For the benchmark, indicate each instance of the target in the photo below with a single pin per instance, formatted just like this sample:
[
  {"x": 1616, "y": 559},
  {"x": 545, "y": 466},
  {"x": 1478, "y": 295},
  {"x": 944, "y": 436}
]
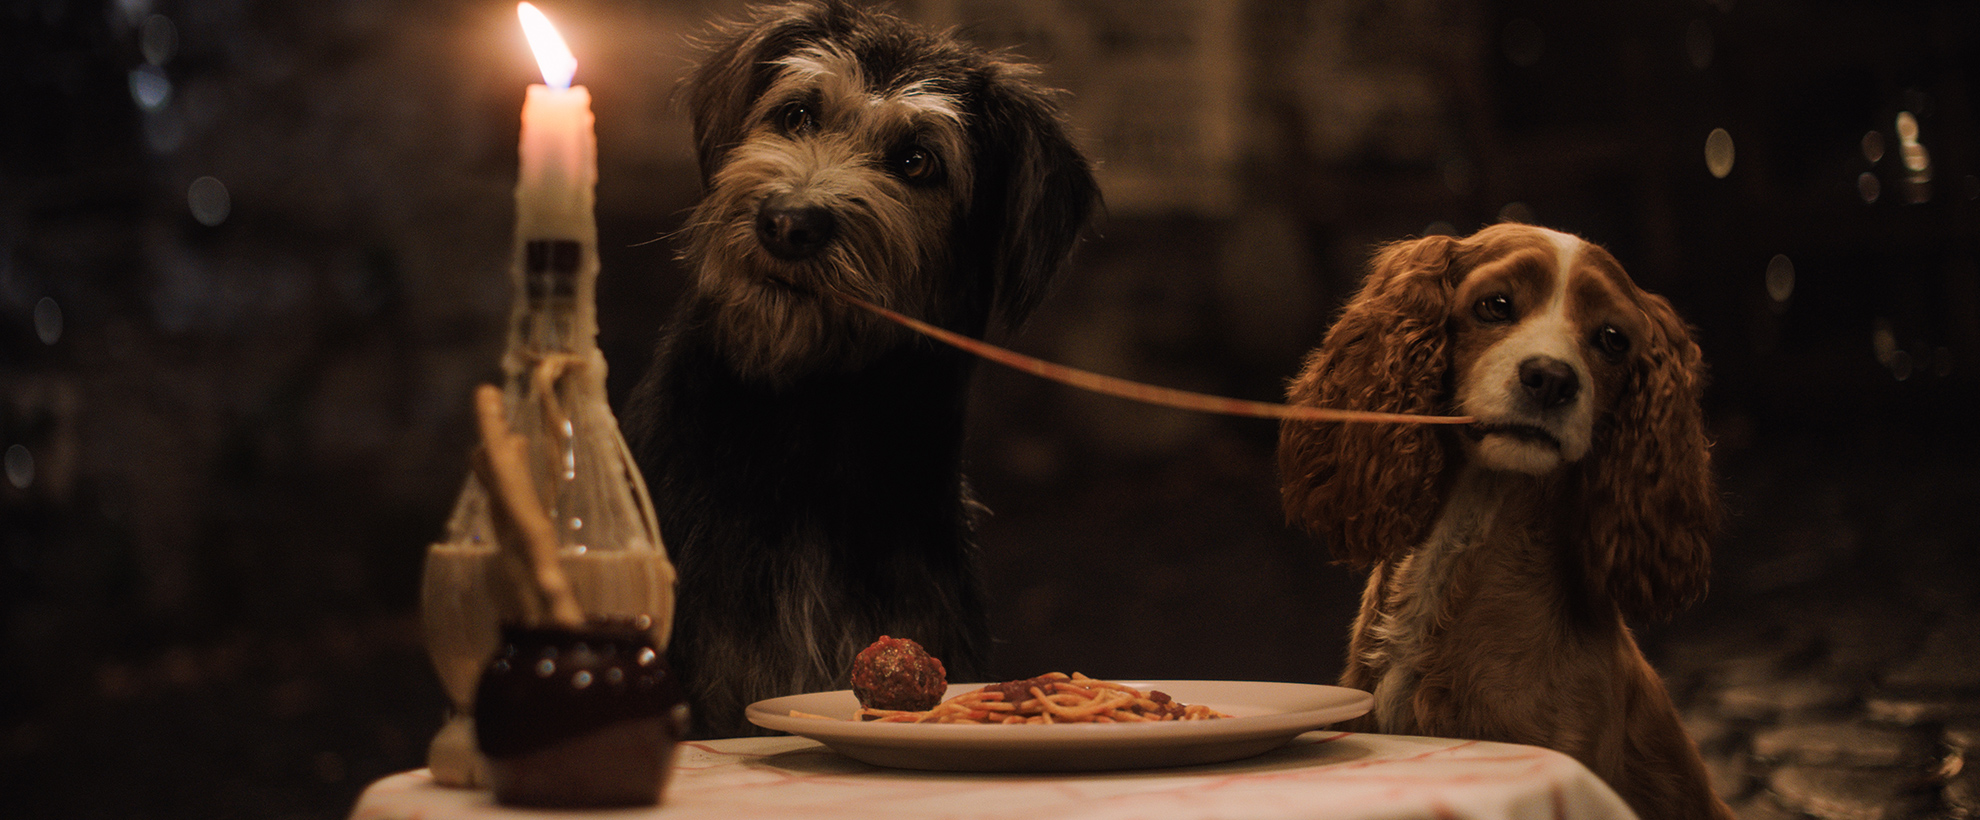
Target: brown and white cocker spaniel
[{"x": 1506, "y": 555}]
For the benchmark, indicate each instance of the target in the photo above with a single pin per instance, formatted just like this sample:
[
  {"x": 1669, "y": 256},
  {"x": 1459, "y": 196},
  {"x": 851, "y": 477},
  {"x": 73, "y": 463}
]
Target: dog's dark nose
[
  {"x": 790, "y": 231},
  {"x": 1550, "y": 381}
]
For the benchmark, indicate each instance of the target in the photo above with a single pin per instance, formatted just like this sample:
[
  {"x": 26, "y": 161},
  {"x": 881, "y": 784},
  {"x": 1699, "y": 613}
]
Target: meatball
[{"x": 896, "y": 673}]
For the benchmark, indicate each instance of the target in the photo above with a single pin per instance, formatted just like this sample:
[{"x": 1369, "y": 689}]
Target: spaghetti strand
[{"x": 1145, "y": 393}]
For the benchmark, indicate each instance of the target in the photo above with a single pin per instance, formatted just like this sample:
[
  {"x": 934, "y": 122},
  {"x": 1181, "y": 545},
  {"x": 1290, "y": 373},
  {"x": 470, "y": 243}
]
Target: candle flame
[{"x": 552, "y": 56}]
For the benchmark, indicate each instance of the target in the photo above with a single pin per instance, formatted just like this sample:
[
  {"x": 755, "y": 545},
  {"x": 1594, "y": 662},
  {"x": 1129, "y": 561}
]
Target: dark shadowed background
[{"x": 252, "y": 258}]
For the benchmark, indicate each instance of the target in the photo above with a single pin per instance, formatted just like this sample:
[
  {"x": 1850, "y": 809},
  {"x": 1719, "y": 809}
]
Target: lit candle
[
  {"x": 555, "y": 189},
  {"x": 556, "y": 249}
]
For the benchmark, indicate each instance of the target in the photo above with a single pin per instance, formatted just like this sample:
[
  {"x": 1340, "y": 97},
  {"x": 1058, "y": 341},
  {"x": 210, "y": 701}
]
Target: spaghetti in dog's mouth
[
  {"x": 1137, "y": 391},
  {"x": 1529, "y": 433},
  {"x": 782, "y": 285}
]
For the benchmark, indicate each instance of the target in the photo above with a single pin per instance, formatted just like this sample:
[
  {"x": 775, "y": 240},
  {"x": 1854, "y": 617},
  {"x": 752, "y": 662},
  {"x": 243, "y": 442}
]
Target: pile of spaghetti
[{"x": 1050, "y": 698}]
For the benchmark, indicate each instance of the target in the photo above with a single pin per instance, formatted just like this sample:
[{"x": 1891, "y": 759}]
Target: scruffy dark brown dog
[{"x": 805, "y": 457}]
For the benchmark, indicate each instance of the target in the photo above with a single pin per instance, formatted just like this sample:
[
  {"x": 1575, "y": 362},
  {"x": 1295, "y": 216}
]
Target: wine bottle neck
[{"x": 556, "y": 313}]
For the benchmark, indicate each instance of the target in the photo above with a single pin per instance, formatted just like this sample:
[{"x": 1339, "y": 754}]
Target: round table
[{"x": 1320, "y": 774}]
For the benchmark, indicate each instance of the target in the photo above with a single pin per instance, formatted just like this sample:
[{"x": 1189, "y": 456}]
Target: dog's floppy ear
[
  {"x": 1370, "y": 490},
  {"x": 738, "y": 62},
  {"x": 1035, "y": 190},
  {"x": 1651, "y": 504}
]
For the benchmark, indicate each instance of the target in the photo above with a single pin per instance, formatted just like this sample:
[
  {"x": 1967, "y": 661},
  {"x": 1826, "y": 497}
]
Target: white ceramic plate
[{"x": 1264, "y": 716}]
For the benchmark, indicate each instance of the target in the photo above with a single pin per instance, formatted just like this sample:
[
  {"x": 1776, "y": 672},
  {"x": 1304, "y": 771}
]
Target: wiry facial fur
[
  {"x": 889, "y": 252},
  {"x": 804, "y": 458},
  {"x": 1505, "y": 556}
]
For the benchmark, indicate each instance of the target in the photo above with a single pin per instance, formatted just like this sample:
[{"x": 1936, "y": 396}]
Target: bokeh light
[
  {"x": 159, "y": 39},
  {"x": 1917, "y": 159},
  {"x": 1917, "y": 183},
  {"x": 1780, "y": 278},
  {"x": 47, "y": 321},
  {"x": 209, "y": 201},
  {"x": 1901, "y": 365},
  {"x": 1873, "y": 146},
  {"x": 20, "y": 467},
  {"x": 1883, "y": 343},
  {"x": 1440, "y": 228},
  {"x": 1698, "y": 44},
  {"x": 1907, "y": 127},
  {"x": 1517, "y": 212},
  {"x": 1719, "y": 152},
  {"x": 1868, "y": 187},
  {"x": 134, "y": 10},
  {"x": 149, "y": 88}
]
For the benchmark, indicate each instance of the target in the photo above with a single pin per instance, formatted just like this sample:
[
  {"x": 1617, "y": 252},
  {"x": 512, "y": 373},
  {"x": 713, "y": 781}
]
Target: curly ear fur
[
  {"x": 1043, "y": 191},
  {"x": 737, "y": 65},
  {"x": 1370, "y": 490},
  {"x": 1650, "y": 500}
]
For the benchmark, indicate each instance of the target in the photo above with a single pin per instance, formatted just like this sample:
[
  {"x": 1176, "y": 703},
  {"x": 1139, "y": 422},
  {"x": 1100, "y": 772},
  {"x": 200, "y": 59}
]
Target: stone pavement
[
  {"x": 1835, "y": 673},
  {"x": 1830, "y": 722}
]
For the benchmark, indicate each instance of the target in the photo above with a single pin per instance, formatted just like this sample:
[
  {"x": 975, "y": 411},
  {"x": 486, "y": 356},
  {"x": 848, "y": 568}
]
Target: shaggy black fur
[{"x": 812, "y": 509}]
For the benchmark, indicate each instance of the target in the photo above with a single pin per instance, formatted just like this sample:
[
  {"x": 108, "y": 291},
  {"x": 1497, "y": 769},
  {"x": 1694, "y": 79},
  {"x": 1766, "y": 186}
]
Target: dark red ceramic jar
[{"x": 579, "y": 718}]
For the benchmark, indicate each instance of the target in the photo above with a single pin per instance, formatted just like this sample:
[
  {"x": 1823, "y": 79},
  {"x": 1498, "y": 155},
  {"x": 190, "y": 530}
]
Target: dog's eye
[
  {"x": 914, "y": 164},
  {"x": 796, "y": 118},
  {"x": 1612, "y": 342},
  {"x": 1493, "y": 309}
]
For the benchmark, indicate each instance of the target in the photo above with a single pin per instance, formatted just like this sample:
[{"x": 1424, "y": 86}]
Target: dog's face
[
  {"x": 1542, "y": 330},
  {"x": 846, "y": 151},
  {"x": 1571, "y": 370}
]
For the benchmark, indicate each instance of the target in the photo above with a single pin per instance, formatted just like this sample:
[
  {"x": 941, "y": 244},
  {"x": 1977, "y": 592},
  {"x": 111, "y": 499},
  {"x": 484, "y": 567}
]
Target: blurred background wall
[{"x": 252, "y": 259}]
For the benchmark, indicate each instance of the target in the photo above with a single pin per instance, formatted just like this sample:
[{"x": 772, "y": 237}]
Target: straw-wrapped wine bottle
[{"x": 553, "y": 395}]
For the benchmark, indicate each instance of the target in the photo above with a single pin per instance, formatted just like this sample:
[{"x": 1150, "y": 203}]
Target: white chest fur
[{"x": 1418, "y": 601}]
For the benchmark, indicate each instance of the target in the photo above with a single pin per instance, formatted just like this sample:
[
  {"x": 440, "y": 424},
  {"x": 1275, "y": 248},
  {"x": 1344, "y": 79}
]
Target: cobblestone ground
[{"x": 1836, "y": 673}]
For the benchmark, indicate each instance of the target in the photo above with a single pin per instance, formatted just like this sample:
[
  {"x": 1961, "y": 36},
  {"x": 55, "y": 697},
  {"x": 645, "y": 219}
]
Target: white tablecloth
[{"x": 1319, "y": 775}]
